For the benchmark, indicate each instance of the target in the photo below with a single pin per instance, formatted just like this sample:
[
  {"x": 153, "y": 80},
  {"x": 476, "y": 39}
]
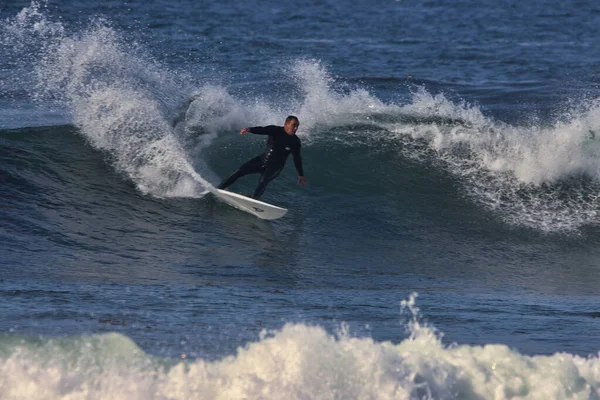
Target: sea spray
[
  {"x": 321, "y": 105},
  {"x": 118, "y": 96}
]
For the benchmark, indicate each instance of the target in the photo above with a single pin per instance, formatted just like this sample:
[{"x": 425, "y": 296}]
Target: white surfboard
[{"x": 255, "y": 207}]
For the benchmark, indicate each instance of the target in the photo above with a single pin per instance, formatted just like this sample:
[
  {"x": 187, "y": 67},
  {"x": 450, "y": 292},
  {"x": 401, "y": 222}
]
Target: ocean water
[{"x": 446, "y": 246}]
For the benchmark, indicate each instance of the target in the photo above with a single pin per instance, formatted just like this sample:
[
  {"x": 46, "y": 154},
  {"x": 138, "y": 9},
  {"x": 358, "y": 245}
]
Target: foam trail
[{"x": 296, "y": 362}]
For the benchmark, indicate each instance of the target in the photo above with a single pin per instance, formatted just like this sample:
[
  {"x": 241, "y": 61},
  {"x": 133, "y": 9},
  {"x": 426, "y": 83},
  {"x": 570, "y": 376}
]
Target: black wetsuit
[{"x": 272, "y": 160}]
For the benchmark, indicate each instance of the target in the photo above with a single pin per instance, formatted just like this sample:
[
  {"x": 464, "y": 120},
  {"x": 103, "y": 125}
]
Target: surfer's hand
[
  {"x": 244, "y": 130},
  {"x": 302, "y": 181}
]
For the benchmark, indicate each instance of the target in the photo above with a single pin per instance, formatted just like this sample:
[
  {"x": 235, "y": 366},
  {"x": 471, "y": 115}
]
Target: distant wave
[{"x": 296, "y": 362}]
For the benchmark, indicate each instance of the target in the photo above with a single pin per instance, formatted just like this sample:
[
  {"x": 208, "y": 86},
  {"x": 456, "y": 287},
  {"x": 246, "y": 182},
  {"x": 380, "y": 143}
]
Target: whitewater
[{"x": 299, "y": 361}]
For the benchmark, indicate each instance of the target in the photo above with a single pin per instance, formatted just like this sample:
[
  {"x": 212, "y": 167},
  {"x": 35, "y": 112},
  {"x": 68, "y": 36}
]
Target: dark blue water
[{"x": 451, "y": 149}]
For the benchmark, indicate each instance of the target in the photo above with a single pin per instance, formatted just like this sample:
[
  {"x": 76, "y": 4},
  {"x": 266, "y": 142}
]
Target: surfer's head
[{"x": 291, "y": 125}]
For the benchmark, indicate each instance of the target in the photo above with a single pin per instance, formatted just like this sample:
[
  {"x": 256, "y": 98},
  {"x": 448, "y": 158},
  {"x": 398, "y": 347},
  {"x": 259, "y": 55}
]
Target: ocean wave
[{"x": 159, "y": 125}]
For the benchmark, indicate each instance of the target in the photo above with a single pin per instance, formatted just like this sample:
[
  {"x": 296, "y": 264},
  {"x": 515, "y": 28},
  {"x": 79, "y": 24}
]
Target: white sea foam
[{"x": 297, "y": 362}]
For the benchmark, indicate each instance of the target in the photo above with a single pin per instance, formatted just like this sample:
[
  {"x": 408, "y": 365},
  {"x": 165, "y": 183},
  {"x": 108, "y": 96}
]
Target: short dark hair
[{"x": 292, "y": 118}]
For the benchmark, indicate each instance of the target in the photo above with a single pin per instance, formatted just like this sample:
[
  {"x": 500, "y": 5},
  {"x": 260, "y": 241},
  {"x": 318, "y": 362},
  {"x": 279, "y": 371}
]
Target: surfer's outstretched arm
[{"x": 261, "y": 130}]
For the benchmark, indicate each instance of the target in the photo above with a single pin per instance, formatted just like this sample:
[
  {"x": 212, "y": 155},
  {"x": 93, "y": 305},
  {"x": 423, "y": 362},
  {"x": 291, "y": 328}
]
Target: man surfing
[{"x": 282, "y": 141}]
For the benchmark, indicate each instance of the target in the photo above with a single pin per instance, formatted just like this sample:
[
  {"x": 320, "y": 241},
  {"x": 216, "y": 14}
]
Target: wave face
[
  {"x": 298, "y": 362},
  {"x": 158, "y": 125}
]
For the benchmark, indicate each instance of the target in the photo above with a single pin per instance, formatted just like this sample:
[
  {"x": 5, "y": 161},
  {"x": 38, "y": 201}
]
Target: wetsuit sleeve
[
  {"x": 264, "y": 130},
  {"x": 298, "y": 159}
]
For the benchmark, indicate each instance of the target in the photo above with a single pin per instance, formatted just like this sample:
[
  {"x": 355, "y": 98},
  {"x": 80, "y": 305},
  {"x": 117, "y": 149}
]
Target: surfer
[{"x": 282, "y": 141}]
